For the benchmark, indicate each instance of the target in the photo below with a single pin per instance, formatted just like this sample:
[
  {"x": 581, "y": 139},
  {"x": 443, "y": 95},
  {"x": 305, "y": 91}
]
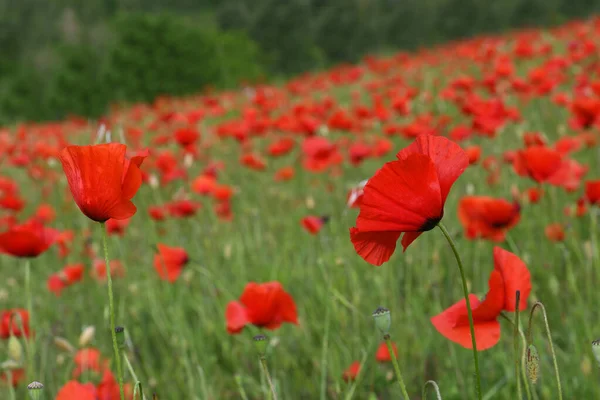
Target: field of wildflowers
[{"x": 420, "y": 225}]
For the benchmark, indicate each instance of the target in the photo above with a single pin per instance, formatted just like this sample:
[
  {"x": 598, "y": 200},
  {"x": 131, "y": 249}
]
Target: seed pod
[
  {"x": 35, "y": 390},
  {"x": 260, "y": 341},
  {"x": 383, "y": 320},
  {"x": 596, "y": 349}
]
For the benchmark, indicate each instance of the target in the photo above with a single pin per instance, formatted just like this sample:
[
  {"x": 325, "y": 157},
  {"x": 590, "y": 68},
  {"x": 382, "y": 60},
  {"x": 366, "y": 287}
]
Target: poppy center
[{"x": 429, "y": 224}]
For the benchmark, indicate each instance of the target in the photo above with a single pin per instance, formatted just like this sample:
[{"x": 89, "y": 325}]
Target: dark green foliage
[
  {"x": 76, "y": 86},
  {"x": 158, "y": 54}
]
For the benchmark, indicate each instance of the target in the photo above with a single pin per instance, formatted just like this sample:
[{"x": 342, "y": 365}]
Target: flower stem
[
  {"x": 30, "y": 340},
  {"x": 435, "y": 387},
  {"x": 539, "y": 304},
  {"x": 516, "y": 344},
  {"x": 111, "y": 310},
  {"x": 133, "y": 374},
  {"x": 388, "y": 342},
  {"x": 468, "y": 303},
  {"x": 272, "y": 393}
]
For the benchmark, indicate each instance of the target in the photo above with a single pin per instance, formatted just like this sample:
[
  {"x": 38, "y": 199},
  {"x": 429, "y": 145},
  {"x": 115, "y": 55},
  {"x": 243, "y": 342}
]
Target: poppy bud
[
  {"x": 64, "y": 344},
  {"x": 532, "y": 363},
  {"x": 383, "y": 320},
  {"x": 260, "y": 341},
  {"x": 87, "y": 336},
  {"x": 35, "y": 390},
  {"x": 15, "y": 350},
  {"x": 120, "y": 332},
  {"x": 596, "y": 349}
]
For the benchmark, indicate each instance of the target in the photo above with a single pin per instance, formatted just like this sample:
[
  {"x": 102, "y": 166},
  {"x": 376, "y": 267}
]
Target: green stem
[
  {"x": 468, "y": 303},
  {"x": 238, "y": 380},
  {"x": 539, "y": 304},
  {"x": 435, "y": 387},
  {"x": 111, "y": 310},
  {"x": 523, "y": 355},
  {"x": 516, "y": 345},
  {"x": 132, "y": 372},
  {"x": 388, "y": 342},
  {"x": 29, "y": 305},
  {"x": 272, "y": 393},
  {"x": 11, "y": 389}
]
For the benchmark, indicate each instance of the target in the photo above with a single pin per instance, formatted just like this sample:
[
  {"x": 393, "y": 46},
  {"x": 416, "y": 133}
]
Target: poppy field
[{"x": 341, "y": 235}]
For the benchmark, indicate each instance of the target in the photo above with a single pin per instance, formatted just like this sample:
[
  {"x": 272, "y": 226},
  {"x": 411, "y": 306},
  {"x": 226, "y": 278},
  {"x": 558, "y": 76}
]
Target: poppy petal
[
  {"x": 516, "y": 277},
  {"x": 123, "y": 210},
  {"x": 487, "y": 334},
  {"x": 94, "y": 174},
  {"x": 491, "y": 306},
  {"x": 374, "y": 247},
  {"x": 402, "y": 196},
  {"x": 236, "y": 317},
  {"x": 448, "y": 157},
  {"x": 408, "y": 238}
]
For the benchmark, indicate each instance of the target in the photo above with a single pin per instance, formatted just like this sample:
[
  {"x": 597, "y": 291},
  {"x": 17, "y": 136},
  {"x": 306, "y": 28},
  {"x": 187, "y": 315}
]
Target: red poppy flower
[
  {"x": 487, "y": 217},
  {"x": 186, "y": 136},
  {"x": 102, "y": 180},
  {"x": 284, "y": 174},
  {"x": 169, "y": 262},
  {"x": 157, "y": 213},
  {"x": 74, "y": 390},
  {"x": 117, "y": 226},
  {"x": 69, "y": 275},
  {"x": 88, "y": 359},
  {"x": 534, "y": 195},
  {"x": 29, "y": 239},
  {"x": 474, "y": 153},
  {"x": 99, "y": 269},
  {"x": 262, "y": 304},
  {"x": 592, "y": 192},
  {"x": 204, "y": 184},
  {"x": 568, "y": 175},
  {"x": 45, "y": 213},
  {"x": 15, "y": 322},
  {"x": 352, "y": 372},
  {"x": 313, "y": 224},
  {"x": 406, "y": 196},
  {"x": 510, "y": 275},
  {"x": 183, "y": 208},
  {"x": 383, "y": 353},
  {"x": 16, "y": 376},
  {"x": 555, "y": 232},
  {"x": 537, "y": 162}
]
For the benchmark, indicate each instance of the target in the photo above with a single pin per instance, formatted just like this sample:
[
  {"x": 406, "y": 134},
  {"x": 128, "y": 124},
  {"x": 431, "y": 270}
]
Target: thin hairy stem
[
  {"x": 30, "y": 341},
  {"x": 388, "y": 342},
  {"x": 469, "y": 311},
  {"x": 516, "y": 344},
  {"x": 272, "y": 392},
  {"x": 539, "y": 305},
  {"x": 111, "y": 310},
  {"x": 436, "y": 388},
  {"x": 523, "y": 355}
]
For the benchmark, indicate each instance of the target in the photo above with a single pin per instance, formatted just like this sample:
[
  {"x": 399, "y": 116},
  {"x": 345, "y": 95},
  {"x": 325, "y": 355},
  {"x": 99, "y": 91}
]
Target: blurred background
[{"x": 74, "y": 57}]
